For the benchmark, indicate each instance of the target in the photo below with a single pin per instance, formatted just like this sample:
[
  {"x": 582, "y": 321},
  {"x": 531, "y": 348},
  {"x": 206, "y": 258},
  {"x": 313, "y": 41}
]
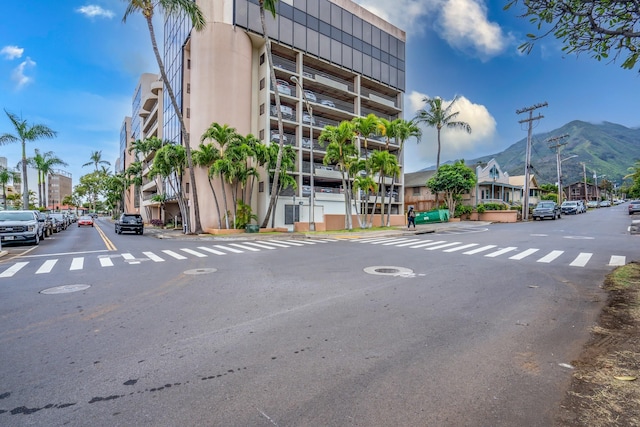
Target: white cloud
[
  {"x": 12, "y": 52},
  {"x": 455, "y": 144},
  {"x": 463, "y": 24},
  {"x": 19, "y": 75},
  {"x": 93, "y": 11}
]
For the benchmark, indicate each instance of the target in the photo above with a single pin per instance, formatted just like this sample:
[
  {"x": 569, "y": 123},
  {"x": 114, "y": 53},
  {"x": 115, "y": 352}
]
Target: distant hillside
[{"x": 607, "y": 148}]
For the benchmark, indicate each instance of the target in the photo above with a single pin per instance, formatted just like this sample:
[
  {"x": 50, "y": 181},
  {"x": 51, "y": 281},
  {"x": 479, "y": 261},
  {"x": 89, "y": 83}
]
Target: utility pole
[
  {"x": 527, "y": 165},
  {"x": 584, "y": 178},
  {"x": 557, "y": 147}
]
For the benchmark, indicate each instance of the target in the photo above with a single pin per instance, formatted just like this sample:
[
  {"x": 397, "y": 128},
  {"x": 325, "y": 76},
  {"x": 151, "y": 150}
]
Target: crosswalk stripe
[
  {"x": 226, "y": 248},
  {"x": 398, "y": 242},
  {"x": 459, "y": 248},
  {"x": 409, "y": 243},
  {"x": 213, "y": 251},
  {"x": 550, "y": 256},
  {"x": 478, "y": 250},
  {"x": 288, "y": 243},
  {"x": 307, "y": 242},
  {"x": 581, "y": 260},
  {"x": 426, "y": 243},
  {"x": 501, "y": 252},
  {"x": 617, "y": 260},
  {"x": 387, "y": 241},
  {"x": 249, "y": 248},
  {"x": 174, "y": 254},
  {"x": 105, "y": 262},
  {"x": 13, "y": 269},
  {"x": 195, "y": 253},
  {"x": 524, "y": 254},
  {"x": 77, "y": 264},
  {"x": 370, "y": 239},
  {"x": 446, "y": 245},
  {"x": 153, "y": 257},
  {"x": 129, "y": 257},
  {"x": 47, "y": 266},
  {"x": 275, "y": 243},
  {"x": 259, "y": 245}
]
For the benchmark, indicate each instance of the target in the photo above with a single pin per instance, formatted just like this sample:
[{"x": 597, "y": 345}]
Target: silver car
[{"x": 19, "y": 227}]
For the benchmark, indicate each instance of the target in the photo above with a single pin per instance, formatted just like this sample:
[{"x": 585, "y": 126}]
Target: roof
[{"x": 417, "y": 179}]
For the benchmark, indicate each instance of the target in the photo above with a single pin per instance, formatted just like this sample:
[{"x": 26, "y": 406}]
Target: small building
[{"x": 581, "y": 191}]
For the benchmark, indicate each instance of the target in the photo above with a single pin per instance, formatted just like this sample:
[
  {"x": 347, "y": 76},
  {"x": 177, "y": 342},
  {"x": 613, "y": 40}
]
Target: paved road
[{"x": 332, "y": 332}]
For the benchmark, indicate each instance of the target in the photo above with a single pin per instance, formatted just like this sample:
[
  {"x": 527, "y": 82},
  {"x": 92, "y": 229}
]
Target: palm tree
[
  {"x": 7, "y": 176},
  {"x": 44, "y": 164},
  {"x": 169, "y": 162},
  {"x": 224, "y": 135},
  {"x": 270, "y": 5},
  {"x": 341, "y": 151},
  {"x": 438, "y": 117},
  {"x": 24, "y": 133},
  {"x": 206, "y": 156},
  {"x": 174, "y": 8},
  {"x": 96, "y": 160},
  {"x": 384, "y": 164}
]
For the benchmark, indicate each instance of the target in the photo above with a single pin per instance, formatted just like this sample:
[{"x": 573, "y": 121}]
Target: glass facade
[{"x": 325, "y": 30}]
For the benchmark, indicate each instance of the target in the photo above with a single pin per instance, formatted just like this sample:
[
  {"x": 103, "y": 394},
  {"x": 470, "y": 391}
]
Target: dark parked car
[
  {"x": 59, "y": 222},
  {"x": 634, "y": 207},
  {"x": 46, "y": 224},
  {"x": 546, "y": 209},
  {"x": 130, "y": 222}
]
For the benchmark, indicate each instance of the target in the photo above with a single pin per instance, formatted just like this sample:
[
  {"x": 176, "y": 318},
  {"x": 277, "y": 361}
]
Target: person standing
[{"x": 411, "y": 218}]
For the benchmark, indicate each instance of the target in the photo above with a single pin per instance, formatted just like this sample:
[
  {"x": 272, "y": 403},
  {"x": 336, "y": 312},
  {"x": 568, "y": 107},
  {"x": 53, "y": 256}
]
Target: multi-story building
[
  {"x": 59, "y": 186},
  {"x": 145, "y": 122},
  {"x": 347, "y": 61}
]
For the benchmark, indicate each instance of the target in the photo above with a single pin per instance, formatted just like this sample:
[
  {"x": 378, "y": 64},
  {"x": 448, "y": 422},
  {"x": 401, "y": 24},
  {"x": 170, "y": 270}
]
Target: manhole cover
[
  {"x": 386, "y": 270},
  {"x": 65, "y": 289},
  {"x": 201, "y": 271}
]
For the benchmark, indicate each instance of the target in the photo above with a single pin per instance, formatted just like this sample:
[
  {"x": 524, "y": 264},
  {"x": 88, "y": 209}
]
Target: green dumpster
[
  {"x": 252, "y": 228},
  {"x": 440, "y": 215}
]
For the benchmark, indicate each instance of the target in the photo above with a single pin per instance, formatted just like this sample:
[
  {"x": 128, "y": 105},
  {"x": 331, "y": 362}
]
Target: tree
[
  {"x": 634, "y": 174},
  {"x": 205, "y": 157},
  {"x": 25, "y": 133},
  {"x": 44, "y": 164},
  {"x": 175, "y": 8},
  {"x": 384, "y": 164},
  {"x": 342, "y": 152},
  {"x": 595, "y": 27},
  {"x": 452, "y": 180},
  {"x": 270, "y": 5},
  {"x": 96, "y": 160},
  {"x": 7, "y": 176},
  {"x": 170, "y": 161}
]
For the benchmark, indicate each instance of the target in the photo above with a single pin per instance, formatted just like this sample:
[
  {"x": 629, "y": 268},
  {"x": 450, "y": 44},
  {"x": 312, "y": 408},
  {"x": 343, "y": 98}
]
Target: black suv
[{"x": 130, "y": 222}]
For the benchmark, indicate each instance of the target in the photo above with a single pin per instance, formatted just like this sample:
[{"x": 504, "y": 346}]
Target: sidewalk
[{"x": 356, "y": 233}]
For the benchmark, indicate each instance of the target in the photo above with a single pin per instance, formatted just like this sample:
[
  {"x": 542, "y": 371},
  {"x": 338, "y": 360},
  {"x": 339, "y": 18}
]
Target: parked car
[
  {"x": 569, "y": 207},
  {"x": 310, "y": 96},
  {"x": 283, "y": 87},
  {"x": 581, "y": 206},
  {"x": 287, "y": 112},
  {"x": 634, "y": 207},
  {"x": 328, "y": 103},
  {"x": 593, "y": 204},
  {"x": 546, "y": 209},
  {"x": 85, "y": 220},
  {"x": 130, "y": 222},
  {"x": 275, "y": 137},
  {"x": 59, "y": 222},
  {"x": 605, "y": 204},
  {"x": 19, "y": 226},
  {"x": 46, "y": 224}
]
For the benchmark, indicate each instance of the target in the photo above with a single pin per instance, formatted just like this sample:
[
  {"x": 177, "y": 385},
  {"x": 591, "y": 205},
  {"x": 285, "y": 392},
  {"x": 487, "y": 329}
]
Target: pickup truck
[{"x": 20, "y": 226}]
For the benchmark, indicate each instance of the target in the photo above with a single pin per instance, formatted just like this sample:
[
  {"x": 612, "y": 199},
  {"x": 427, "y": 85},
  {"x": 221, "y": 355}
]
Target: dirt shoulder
[{"x": 605, "y": 389}]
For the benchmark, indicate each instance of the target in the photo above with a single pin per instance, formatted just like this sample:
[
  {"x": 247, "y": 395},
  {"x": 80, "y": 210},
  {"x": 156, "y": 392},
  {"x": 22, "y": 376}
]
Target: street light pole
[
  {"x": 560, "y": 192},
  {"x": 312, "y": 199}
]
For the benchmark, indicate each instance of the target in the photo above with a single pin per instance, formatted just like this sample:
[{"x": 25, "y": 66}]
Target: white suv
[{"x": 20, "y": 226}]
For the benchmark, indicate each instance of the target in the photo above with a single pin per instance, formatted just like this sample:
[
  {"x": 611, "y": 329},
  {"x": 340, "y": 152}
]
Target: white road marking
[
  {"x": 105, "y": 262},
  {"x": 153, "y": 257},
  {"x": 459, "y": 248},
  {"x": 398, "y": 242},
  {"x": 195, "y": 253},
  {"x": 388, "y": 241},
  {"x": 524, "y": 254},
  {"x": 213, "y": 251},
  {"x": 446, "y": 245},
  {"x": 226, "y": 248},
  {"x": 581, "y": 260},
  {"x": 478, "y": 250},
  {"x": 249, "y": 248},
  {"x": 278, "y": 244},
  {"x": 47, "y": 266},
  {"x": 550, "y": 256},
  {"x": 501, "y": 252},
  {"x": 129, "y": 257},
  {"x": 427, "y": 243},
  {"x": 13, "y": 269},
  {"x": 409, "y": 242},
  {"x": 77, "y": 264},
  {"x": 174, "y": 254},
  {"x": 259, "y": 245},
  {"x": 617, "y": 260},
  {"x": 288, "y": 243}
]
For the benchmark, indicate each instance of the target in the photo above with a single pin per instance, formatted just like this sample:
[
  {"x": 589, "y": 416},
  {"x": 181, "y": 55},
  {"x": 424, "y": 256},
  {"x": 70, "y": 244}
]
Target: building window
[
  {"x": 261, "y": 183},
  {"x": 261, "y": 109},
  {"x": 291, "y": 214},
  {"x": 261, "y": 134},
  {"x": 262, "y": 83},
  {"x": 188, "y": 64},
  {"x": 186, "y": 188},
  {"x": 416, "y": 191},
  {"x": 262, "y": 59},
  {"x": 188, "y": 87},
  {"x": 188, "y": 113}
]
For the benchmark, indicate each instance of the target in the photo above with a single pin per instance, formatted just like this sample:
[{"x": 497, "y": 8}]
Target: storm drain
[
  {"x": 65, "y": 289},
  {"x": 385, "y": 270},
  {"x": 201, "y": 271}
]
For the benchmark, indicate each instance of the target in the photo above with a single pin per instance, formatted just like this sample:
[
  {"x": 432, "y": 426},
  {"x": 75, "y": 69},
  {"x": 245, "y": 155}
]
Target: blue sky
[{"x": 73, "y": 65}]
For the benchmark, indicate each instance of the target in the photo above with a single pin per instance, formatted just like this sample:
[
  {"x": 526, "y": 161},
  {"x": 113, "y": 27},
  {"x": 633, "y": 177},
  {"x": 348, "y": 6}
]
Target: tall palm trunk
[
  {"x": 197, "y": 227},
  {"x": 25, "y": 192},
  {"x": 224, "y": 198}
]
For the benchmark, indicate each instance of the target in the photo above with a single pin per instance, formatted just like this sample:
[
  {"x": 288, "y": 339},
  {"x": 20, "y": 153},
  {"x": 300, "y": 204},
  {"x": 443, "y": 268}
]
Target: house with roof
[{"x": 535, "y": 192}]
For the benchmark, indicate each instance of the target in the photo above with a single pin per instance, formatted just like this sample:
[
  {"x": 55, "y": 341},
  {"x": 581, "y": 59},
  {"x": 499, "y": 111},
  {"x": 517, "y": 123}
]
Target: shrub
[
  {"x": 156, "y": 223},
  {"x": 462, "y": 210},
  {"x": 481, "y": 208}
]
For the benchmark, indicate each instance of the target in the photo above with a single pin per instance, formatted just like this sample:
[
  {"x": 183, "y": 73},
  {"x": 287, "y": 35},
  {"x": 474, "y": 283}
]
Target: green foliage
[
  {"x": 453, "y": 180},
  {"x": 462, "y": 210},
  {"x": 550, "y": 196},
  {"x": 244, "y": 215},
  {"x": 491, "y": 206},
  {"x": 481, "y": 208}
]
